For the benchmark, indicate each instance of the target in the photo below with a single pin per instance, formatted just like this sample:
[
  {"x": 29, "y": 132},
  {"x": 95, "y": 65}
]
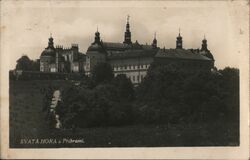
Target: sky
[{"x": 26, "y": 25}]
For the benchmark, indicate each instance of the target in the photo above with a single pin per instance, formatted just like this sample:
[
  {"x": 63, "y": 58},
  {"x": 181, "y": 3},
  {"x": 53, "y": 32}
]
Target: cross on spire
[
  {"x": 179, "y": 31},
  {"x": 128, "y": 18},
  {"x": 155, "y": 35},
  {"x": 50, "y": 34}
]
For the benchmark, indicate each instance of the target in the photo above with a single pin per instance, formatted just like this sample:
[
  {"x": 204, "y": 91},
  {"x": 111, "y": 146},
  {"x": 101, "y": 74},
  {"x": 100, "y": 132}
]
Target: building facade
[
  {"x": 133, "y": 59},
  {"x": 130, "y": 58},
  {"x": 59, "y": 59}
]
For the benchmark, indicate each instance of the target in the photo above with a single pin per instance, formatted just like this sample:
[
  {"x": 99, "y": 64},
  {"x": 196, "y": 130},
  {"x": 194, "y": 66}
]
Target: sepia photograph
[{"x": 86, "y": 75}]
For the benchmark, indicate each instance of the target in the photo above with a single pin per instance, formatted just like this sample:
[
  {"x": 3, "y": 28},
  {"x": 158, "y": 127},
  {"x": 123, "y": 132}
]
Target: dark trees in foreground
[
  {"x": 24, "y": 63},
  {"x": 102, "y": 73},
  {"x": 174, "y": 96},
  {"x": 101, "y": 100},
  {"x": 167, "y": 95}
]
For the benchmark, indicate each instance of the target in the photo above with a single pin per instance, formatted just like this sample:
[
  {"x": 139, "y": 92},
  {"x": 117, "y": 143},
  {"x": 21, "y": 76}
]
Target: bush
[{"x": 102, "y": 73}]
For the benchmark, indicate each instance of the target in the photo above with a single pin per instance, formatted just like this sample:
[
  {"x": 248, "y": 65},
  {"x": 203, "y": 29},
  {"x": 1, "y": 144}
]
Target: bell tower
[
  {"x": 179, "y": 41},
  {"x": 127, "y": 34}
]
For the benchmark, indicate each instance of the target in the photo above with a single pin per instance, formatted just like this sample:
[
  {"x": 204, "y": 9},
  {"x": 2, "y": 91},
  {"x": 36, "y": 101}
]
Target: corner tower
[
  {"x": 179, "y": 41},
  {"x": 97, "y": 37},
  {"x": 204, "y": 44},
  {"x": 51, "y": 43}
]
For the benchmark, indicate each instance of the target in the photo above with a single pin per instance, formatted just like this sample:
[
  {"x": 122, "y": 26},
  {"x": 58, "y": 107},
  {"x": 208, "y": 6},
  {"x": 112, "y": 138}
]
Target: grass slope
[{"x": 27, "y": 121}]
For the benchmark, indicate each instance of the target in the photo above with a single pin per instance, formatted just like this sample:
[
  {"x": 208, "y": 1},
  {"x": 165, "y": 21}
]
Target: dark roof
[
  {"x": 146, "y": 46},
  {"x": 49, "y": 52},
  {"x": 122, "y": 50},
  {"x": 121, "y": 46},
  {"x": 131, "y": 53},
  {"x": 114, "y": 46},
  {"x": 180, "y": 54},
  {"x": 96, "y": 47},
  {"x": 208, "y": 54}
]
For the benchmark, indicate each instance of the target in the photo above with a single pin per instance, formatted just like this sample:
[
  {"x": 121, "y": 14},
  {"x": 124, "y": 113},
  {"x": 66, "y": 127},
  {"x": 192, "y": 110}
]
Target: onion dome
[
  {"x": 95, "y": 47},
  {"x": 50, "y": 50}
]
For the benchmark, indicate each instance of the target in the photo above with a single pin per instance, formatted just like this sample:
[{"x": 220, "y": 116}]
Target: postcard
[{"x": 124, "y": 79}]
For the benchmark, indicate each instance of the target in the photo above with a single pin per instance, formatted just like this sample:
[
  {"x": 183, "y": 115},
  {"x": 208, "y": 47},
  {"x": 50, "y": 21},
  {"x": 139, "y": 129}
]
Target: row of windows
[
  {"x": 136, "y": 78},
  {"x": 129, "y": 67}
]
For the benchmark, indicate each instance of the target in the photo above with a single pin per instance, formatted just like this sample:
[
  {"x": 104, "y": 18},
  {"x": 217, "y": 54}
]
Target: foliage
[
  {"x": 124, "y": 87},
  {"x": 25, "y": 64},
  {"x": 102, "y": 73},
  {"x": 173, "y": 96},
  {"x": 167, "y": 95}
]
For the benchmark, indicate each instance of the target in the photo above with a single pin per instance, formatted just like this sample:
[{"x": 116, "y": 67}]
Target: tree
[
  {"x": 124, "y": 87},
  {"x": 35, "y": 65},
  {"x": 25, "y": 64},
  {"x": 102, "y": 73}
]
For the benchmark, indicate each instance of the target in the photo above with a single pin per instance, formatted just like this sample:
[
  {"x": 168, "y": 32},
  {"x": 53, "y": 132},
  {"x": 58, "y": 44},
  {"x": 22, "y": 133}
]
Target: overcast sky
[{"x": 28, "y": 24}]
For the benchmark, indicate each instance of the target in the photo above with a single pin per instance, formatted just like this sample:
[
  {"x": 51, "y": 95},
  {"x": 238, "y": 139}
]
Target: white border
[{"x": 241, "y": 152}]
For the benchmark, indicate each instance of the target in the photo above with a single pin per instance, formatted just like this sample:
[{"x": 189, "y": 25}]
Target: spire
[
  {"x": 127, "y": 35},
  {"x": 50, "y": 43},
  {"x": 204, "y": 44},
  {"x": 97, "y": 36},
  {"x": 154, "y": 43},
  {"x": 179, "y": 41}
]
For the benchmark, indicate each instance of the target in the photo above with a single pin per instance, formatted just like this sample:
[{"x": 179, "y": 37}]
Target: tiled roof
[
  {"x": 180, "y": 54},
  {"x": 131, "y": 53},
  {"x": 122, "y": 46},
  {"x": 115, "y": 46},
  {"x": 146, "y": 46}
]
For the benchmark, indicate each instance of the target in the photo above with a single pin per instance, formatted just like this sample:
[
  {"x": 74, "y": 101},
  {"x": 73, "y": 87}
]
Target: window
[
  {"x": 138, "y": 78},
  {"x": 141, "y": 77},
  {"x": 133, "y": 78}
]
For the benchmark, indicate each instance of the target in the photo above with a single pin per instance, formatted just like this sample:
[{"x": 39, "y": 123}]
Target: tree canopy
[
  {"x": 24, "y": 63},
  {"x": 102, "y": 73}
]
